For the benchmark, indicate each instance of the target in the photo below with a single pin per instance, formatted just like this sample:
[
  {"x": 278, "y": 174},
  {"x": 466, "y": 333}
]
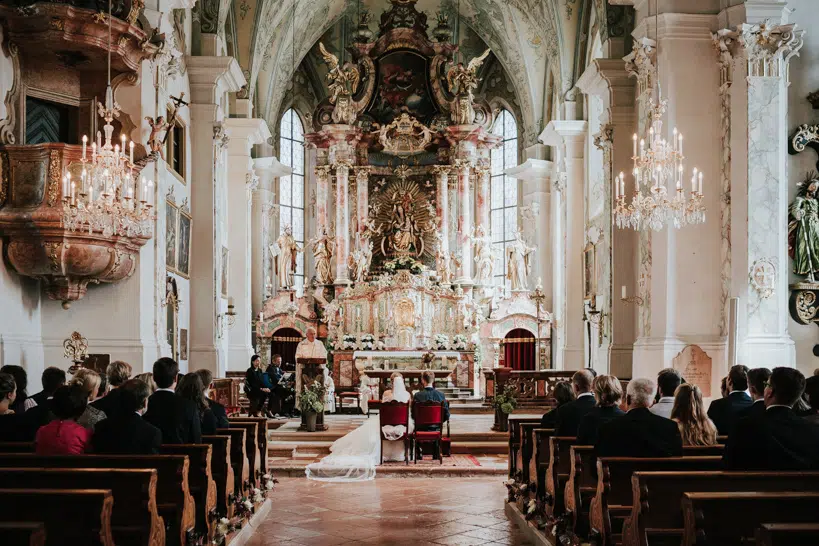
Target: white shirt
[
  {"x": 166, "y": 389},
  {"x": 311, "y": 349},
  {"x": 777, "y": 406},
  {"x": 663, "y": 407},
  {"x": 582, "y": 394}
]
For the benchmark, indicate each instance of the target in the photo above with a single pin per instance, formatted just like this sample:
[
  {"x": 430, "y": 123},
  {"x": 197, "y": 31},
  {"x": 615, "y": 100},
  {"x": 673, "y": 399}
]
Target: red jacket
[{"x": 62, "y": 438}]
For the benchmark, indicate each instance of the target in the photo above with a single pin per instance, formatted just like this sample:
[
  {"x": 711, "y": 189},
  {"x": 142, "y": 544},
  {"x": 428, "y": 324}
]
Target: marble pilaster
[
  {"x": 342, "y": 223},
  {"x": 362, "y": 176},
  {"x": 482, "y": 198},
  {"x": 464, "y": 229},
  {"x": 442, "y": 205}
]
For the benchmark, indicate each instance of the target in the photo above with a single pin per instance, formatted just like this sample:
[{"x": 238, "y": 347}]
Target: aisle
[{"x": 388, "y": 511}]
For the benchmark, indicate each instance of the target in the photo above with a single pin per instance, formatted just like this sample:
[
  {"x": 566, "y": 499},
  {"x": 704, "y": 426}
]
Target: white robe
[{"x": 307, "y": 349}]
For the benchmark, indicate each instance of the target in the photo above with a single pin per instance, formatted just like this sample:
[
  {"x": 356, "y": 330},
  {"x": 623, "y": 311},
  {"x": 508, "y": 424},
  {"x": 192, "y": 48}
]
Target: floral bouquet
[
  {"x": 257, "y": 496},
  {"x": 405, "y": 263},
  {"x": 367, "y": 342},
  {"x": 380, "y": 345},
  {"x": 459, "y": 342},
  {"x": 440, "y": 342},
  {"x": 506, "y": 401},
  {"x": 346, "y": 343},
  {"x": 312, "y": 398},
  {"x": 269, "y": 482}
]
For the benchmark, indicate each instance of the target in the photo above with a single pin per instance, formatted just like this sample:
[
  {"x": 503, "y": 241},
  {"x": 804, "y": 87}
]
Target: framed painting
[
  {"x": 183, "y": 344},
  {"x": 171, "y": 234},
  {"x": 225, "y": 262},
  {"x": 183, "y": 255},
  {"x": 589, "y": 272}
]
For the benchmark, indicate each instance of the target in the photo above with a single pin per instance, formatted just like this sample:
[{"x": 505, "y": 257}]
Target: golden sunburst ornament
[{"x": 405, "y": 220}]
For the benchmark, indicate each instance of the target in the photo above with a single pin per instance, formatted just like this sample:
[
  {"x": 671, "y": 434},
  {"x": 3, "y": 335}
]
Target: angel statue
[
  {"x": 360, "y": 259},
  {"x": 444, "y": 266},
  {"x": 285, "y": 250},
  {"x": 803, "y": 228},
  {"x": 484, "y": 256},
  {"x": 462, "y": 81},
  {"x": 154, "y": 142},
  {"x": 342, "y": 84},
  {"x": 519, "y": 261},
  {"x": 323, "y": 247}
]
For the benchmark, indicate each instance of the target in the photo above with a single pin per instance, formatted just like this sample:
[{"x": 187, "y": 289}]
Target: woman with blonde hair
[
  {"x": 688, "y": 412},
  {"x": 148, "y": 379},
  {"x": 90, "y": 382},
  {"x": 608, "y": 392}
]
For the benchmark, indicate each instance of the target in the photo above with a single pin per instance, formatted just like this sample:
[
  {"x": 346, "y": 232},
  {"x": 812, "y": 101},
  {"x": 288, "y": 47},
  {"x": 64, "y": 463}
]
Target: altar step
[{"x": 465, "y": 444}]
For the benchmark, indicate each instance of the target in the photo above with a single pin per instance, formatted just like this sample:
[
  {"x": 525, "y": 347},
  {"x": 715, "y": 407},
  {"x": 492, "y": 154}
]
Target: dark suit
[
  {"x": 110, "y": 404},
  {"x": 724, "y": 412},
  {"x": 219, "y": 413},
  {"x": 38, "y": 416},
  {"x": 208, "y": 422},
  {"x": 590, "y": 425},
  {"x": 639, "y": 433},
  {"x": 12, "y": 428},
  {"x": 254, "y": 383},
  {"x": 40, "y": 397},
  {"x": 778, "y": 439},
  {"x": 755, "y": 409},
  {"x": 176, "y": 417},
  {"x": 429, "y": 394},
  {"x": 568, "y": 417},
  {"x": 549, "y": 418},
  {"x": 127, "y": 435}
]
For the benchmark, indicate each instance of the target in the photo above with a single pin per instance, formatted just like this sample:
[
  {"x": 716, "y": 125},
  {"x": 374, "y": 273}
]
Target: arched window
[
  {"x": 291, "y": 188},
  {"x": 503, "y": 204}
]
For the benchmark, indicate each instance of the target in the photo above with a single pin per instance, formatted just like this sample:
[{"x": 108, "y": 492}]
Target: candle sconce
[
  {"x": 228, "y": 317},
  {"x": 631, "y": 299},
  {"x": 75, "y": 349}
]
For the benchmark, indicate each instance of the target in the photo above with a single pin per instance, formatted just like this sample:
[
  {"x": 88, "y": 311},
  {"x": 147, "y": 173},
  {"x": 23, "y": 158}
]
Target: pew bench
[
  {"x": 200, "y": 482},
  {"x": 251, "y": 449},
  {"x": 17, "y": 447},
  {"x": 238, "y": 459},
  {"x": 539, "y": 461},
  {"x": 261, "y": 437},
  {"x": 525, "y": 450},
  {"x": 557, "y": 474},
  {"x": 718, "y": 518},
  {"x": 173, "y": 498},
  {"x": 71, "y": 516},
  {"x": 787, "y": 534},
  {"x": 24, "y": 533},
  {"x": 222, "y": 472},
  {"x": 134, "y": 520},
  {"x": 656, "y": 514},
  {"x": 581, "y": 487},
  {"x": 515, "y": 440}
]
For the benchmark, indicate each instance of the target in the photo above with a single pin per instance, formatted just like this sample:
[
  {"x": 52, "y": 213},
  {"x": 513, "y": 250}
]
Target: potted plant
[
  {"x": 311, "y": 404},
  {"x": 504, "y": 404}
]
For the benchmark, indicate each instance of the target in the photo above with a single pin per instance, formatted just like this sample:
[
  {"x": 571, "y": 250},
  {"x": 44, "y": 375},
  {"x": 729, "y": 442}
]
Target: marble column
[
  {"x": 568, "y": 139},
  {"x": 322, "y": 196},
  {"x": 261, "y": 231},
  {"x": 464, "y": 229},
  {"x": 342, "y": 223},
  {"x": 242, "y": 182},
  {"x": 442, "y": 205},
  {"x": 362, "y": 193},
  {"x": 482, "y": 198},
  {"x": 210, "y": 79}
]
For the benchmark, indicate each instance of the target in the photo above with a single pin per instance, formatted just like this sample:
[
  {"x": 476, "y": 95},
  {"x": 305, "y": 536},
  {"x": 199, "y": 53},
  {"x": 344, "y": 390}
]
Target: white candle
[
  {"x": 634, "y": 145},
  {"x": 65, "y": 186},
  {"x": 84, "y": 146},
  {"x": 93, "y": 151},
  {"x": 132, "y": 152},
  {"x": 90, "y": 194},
  {"x": 679, "y": 141},
  {"x": 699, "y": 190},
  {"x": 150, "y": 191},
  {"x": 261, "y": 316},
  {"x": 623, "y": 291},
  {"x": 99, "y": 140},
  {"x": 73, "y": 191},
  {"x": 230, "y": 302}
]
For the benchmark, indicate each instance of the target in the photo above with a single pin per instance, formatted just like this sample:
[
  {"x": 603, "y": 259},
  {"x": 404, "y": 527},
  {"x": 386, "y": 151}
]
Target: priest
[{"x": 311, "y": 347}]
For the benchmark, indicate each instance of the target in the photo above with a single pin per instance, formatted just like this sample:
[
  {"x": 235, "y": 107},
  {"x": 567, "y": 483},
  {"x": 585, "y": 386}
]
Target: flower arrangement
[
  {"x": 258, "y": 496},
  {"x": 269, "y": 482},
  {"x": 440, "y": 342},
  {"x": 404, "y": 262},
  {"x": 367, "y": 342},
  {"x": 312, "y": 398},
  {"x": 244, "y": 508},
  {"x": 459, "y": 342},
  {"x": 506, "y": 401},
  {"x": 346, "y": 343},
  {"x": 223, "y": 527},
  {"x": 380, "y": 345}
]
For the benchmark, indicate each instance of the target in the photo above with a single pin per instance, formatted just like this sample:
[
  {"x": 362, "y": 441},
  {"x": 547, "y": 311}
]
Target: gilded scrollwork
[
  {"x": 4, "y": 177},
  {"x": 54, "y": 176},
  {"x": 803, "y": 302}
]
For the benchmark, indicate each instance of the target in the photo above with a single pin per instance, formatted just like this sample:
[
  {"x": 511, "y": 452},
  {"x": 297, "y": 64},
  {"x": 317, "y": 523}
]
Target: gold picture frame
[
  {"x": 171, "y": 234},
  {"x": 589, "y": 272},
  {"x": 183, "y": 254}
]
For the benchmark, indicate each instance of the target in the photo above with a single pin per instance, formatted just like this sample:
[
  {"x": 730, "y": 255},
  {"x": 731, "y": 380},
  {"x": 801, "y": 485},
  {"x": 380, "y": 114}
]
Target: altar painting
[
  {"x": 403, "y": 212},
  {"x": 402, "y": 87}
]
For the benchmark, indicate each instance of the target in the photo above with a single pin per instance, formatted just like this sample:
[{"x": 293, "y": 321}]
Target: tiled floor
[{"x": 388, "y": 511}]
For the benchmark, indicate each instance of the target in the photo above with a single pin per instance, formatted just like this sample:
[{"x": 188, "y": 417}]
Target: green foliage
[
  {"x": 312, "y": 398},
  {"x": 506, "y": 401}
]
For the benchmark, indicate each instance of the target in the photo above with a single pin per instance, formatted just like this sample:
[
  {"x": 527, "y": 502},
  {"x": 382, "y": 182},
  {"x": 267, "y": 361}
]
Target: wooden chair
[
  {"x": 134, "y": 519},
  {"x": 394, "y": 414},
  {"x": 24, "y": 533},
  {"x": 238, "y": 459},
  {"x": 261, "y": 438},
  {"x": 428, "y": 414},
  {"x": 787, "y": 534},
  {"x": 222, "y": 472},
  {"x": 732, "y": 517},
  {"x": 200, "y": 482},
  {"x": 71, "y": 516}
]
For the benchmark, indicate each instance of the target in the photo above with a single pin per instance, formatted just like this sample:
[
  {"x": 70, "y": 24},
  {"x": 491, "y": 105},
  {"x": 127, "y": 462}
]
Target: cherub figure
[{"x": 154, "y": 142}]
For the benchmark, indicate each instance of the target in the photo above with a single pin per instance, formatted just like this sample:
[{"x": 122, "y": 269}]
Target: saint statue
[
  {"x": 462, "y": 81},
  {"x": 519, "y": 262},
  {"x": 342, "y": 82},
  {"x": 484, "y": 257},
  {"x": 803, "y": 229},
  {"x": 360, "y": 258},
  {"x": 285, "y": 251},
  {"x": 444, "y": 266},
  {"x": 323, "y": 248},
  {"x": 403, "y": 229}
]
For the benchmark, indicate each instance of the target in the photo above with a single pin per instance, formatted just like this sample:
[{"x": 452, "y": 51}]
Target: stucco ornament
[
  {"x": 763, "y": 277},
  {"x": 462, "y": 81},
  {"x": 342, "y": 84}
]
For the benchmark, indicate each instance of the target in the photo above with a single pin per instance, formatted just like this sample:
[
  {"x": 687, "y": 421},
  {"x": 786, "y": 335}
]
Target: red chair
[
  {"x": 394, "y": 413},
  {"x": 427, "y": 414}
]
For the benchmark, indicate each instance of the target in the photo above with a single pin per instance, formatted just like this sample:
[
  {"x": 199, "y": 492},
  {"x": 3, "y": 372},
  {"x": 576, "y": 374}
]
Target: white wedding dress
[{"x": 353, "y": 457}]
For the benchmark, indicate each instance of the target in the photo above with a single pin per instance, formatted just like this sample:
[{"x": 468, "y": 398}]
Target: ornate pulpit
[{"x": 307, "y": 371}]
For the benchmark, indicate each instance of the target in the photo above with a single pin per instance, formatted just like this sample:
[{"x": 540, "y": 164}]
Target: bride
[{"x": 353, "y": 457}]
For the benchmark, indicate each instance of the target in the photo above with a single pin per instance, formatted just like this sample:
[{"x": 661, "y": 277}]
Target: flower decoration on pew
[
  {"x": 269, "y": 482},
  {"x": 258, "y": 496}
]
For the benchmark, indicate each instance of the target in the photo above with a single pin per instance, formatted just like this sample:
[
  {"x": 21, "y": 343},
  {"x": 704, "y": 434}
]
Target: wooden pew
[
  {"x": 71, "y": 516},
  {"x": 200, "y": 482},
  {"x": 656, "y": 514},
  {"x": 539, "y": 461},
  {"x": 527, "y": 441},
  {"x": 261, "y": 434},
  {"x": 222, "y": 472},
  {"x": 134, "y": 520},
  {"x": 238, "y": 459},
  {"x": 580, "y": 488},
  {"x": 787, "y": 534},
  {"x": 24, "y": 533},
  {"x": 703, "y": 451},
  {"x": 557, "y": 474},
  {"x": 173, "y": 498},
  {"x": 251, "y": 448},
  {"x": 515, "y": 440},
  {"x": 719, "y": 518},
  {"x": 16, "y": 447},
  {"x": 613, "y": 500}
]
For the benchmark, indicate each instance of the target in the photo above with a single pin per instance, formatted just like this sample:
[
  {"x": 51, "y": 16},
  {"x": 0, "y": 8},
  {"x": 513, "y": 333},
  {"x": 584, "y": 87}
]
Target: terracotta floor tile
[{"x": 461, "y": 540}]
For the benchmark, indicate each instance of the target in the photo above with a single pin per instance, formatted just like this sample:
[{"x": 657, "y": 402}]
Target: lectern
[{"x": 307, "y": 371}]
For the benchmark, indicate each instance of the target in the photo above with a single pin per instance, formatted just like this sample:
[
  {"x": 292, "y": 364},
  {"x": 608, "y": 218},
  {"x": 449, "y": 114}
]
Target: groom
[{"x": 429, "y": 394}]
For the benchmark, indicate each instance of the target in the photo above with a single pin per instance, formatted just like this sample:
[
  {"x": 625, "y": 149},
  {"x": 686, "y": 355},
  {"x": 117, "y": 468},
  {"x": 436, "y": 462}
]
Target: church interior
[{"x": 269, "y": 266}]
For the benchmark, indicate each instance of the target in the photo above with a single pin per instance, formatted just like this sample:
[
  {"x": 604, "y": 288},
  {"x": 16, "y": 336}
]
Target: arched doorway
[
  {"x": 519, "y": 350},
  {"x": 284, "y": 343}
]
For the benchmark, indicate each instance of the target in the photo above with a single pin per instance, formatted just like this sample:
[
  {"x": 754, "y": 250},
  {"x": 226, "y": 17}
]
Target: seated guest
[
  {"x": 777, "y": 439},
  {"x": 608, "y": 392},
  {"x": 23, "y": 402},
  {"x": 118, "y": 373},
  {"x": 90, "y": 381},
  {"x": 148, "y": 379},
  {"x": 812, "y": 392},
  {"x": 757, "y": 378},
  {"x": 256, "y": 392},
  {"x": 639, "y": 433},
  {"x": 176, "y": 417},
  {"x": 667, "y": 382},
  {"x": 568, "y": 417},
  {"x": 725, "y": 412},
  {"x": 128, "y": 433},
  {"x": 274, "y": 375},
  {"x": 216, "y": 408},
  {"x": 191, "y": 388},
  {"x": 429, "y": 394},
  {"x": 723, "y": 387},
  {"x": 63, "y": 435},
  {"x": 563, "y": 395},
  {"x": 688, "y": 412},
  {"x": 52, "y": 379},
  {"x": 10, "y": 422}
]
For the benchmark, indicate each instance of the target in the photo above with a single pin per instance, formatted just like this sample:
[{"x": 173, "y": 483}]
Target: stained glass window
[
  {"x": 504, "y": 192},
  {"x": 291, "y": 188}
]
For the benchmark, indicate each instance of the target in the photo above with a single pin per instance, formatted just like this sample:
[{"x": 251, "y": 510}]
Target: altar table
[{"x": 414, "y": 377}]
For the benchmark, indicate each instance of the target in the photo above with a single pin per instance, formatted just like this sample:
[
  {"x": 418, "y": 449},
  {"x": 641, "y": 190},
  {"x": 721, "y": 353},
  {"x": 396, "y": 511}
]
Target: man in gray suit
[{"x": 429, "y": 394}]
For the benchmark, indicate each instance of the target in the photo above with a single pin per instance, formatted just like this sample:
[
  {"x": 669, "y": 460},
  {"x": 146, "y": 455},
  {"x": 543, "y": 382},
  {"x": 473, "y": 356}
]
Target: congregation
[{"x": 111, "y": 413}]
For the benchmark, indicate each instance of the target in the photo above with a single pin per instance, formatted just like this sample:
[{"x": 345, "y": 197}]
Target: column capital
[
  {"x": 245, "y": 133},
  {"x": 210, "y": 77},
  {"x": 557, "y": 132},
  {"x": 532, "y": 169}
]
